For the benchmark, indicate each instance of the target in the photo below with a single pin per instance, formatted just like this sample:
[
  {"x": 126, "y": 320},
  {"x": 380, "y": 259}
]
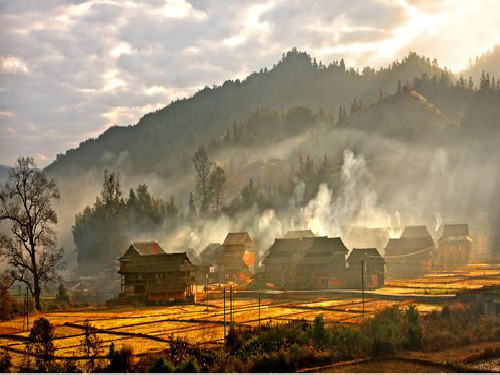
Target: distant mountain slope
[
  {"x": 163, "y": 142},
  {"x": 489, "y": 62},
  {"x": 407, "y": 115}
]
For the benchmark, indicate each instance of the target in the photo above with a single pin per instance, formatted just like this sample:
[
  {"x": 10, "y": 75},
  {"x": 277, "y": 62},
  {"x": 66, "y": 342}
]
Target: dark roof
[
  {"x": 283, "y": 250},
  {"x": 237, "y": 238},
  {"x": 404, "y": 246},
  {"x": 357, "y": 255},
  {"x": 160, "y": 263},
  {"x": 415, "y": 231},
  {"x": 324, "y": 250},
  {"x": 143, "y": 249},
  {"x": 210, "y": 253},
  {"x": 299, "y": 233},
  {"x": 191, "y": 254},
  {"x": 455, "y": 230}
]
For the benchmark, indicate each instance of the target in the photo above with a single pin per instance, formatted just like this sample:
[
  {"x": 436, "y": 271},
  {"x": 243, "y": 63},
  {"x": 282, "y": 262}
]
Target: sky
[{"x": 69, "y": 69}]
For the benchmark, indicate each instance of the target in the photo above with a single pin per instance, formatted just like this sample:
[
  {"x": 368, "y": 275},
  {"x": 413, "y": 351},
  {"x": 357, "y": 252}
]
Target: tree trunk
[{"x": 37, "y": 294}]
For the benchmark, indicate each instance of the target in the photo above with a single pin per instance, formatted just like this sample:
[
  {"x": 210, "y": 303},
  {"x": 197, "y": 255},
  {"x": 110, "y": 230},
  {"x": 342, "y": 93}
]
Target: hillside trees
[
  {"x": 101, "y": 231},
  {"x": 210, "y": 184},
  {"x": 31, "y": 249}
]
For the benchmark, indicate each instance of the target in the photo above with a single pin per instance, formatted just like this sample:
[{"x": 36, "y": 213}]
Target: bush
[
  {"x": 5, "y": 361},
  {"x": 190, "y": 365},
  {"x": 383, "y": 333},
  {"x": 41, "y": 343},
  {"x": 62, "y": 295},
  {"x": 120, "y": 361},
  {"x": 162, "y": 365}
]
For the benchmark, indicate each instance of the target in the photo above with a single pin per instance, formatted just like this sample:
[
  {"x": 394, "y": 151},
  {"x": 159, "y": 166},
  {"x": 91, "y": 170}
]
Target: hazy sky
[{"x": 69, "y": 69}]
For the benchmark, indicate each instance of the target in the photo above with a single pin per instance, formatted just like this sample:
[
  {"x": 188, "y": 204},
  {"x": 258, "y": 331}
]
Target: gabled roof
[
  {"x": 299, "y": 233},
  {"x": 191, "y": 254},
  {"x": 237, "y": 238},
  {"x": 210, "y": 253},
  {"x": 160, "y": 263},
  {"x": 324, "y": 250},
  {"x": 415, "y": 231},
  {"x": 283, "y": 250},
  {"x": 358, "y": 255},
  {"x": 404, "y": 246},
  {"x": 143, "y": 249},
  {"x": 455, "y": 230}
]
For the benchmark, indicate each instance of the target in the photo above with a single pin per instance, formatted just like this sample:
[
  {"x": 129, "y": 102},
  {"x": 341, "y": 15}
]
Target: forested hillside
[
  {"x": 175, "y": 131},
  {"x": 300, "y": 145}
]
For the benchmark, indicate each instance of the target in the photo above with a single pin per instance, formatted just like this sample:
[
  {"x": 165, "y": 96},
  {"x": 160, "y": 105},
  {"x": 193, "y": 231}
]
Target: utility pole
[
  {"x": 259, "y": 310},
  {"x": 27, "y": 312},
  {"x": 24, "y": 312},
  {"x": 224, "y": 315},
  {"x": 206, "y": 289},
  {"x": 363, "y": 284}
]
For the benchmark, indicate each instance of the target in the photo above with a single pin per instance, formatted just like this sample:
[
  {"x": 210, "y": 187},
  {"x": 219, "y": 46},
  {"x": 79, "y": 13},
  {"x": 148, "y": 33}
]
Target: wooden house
[
  {"x": 410, "y": 255},
  {"x": 454, "y": 247},
  {"x": 280, "y": 263},
  {"x": 322, "y": 264},
  {"x": 306, "y": 262},
  {"x": 150, "y": 274},
  {"x": 209, "y": 258},
  {"x": 374, "y": 268},
  {"x": 236, "y": 258}
]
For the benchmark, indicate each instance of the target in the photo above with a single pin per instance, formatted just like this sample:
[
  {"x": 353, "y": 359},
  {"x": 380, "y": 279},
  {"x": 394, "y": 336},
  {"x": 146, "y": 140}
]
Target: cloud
[{"x": 81, "y": 66}]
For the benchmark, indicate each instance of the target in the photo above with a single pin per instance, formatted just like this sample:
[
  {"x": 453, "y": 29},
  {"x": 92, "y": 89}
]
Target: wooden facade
[
  {"x": 150, "y": 274},
  {"x": 454, "y": 247},
  {"x": 410, "y": 255},
  {"x": 306, "y": 263},
  {"x": 236, "y": 258},
  {"x": 374, "y": 268}
]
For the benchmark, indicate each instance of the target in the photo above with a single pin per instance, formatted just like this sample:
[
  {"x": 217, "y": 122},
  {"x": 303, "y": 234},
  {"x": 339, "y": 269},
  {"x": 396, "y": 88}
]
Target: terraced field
[{"x": 150, "y": 329}]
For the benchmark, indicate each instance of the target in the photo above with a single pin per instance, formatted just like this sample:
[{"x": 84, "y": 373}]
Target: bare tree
[
  {"x": 31, "y": 248},
  {"x": 217, "y": 186},
  {"x": 202, "y": 166}
]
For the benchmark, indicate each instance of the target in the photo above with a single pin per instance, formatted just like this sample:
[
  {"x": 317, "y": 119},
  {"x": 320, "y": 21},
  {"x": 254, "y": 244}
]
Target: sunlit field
[{"x": 149, "y": 329}]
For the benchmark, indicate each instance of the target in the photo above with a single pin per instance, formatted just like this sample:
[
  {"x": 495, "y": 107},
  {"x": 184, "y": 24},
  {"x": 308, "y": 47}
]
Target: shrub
[
  {"x": 62, "y": 295},
  {"x": 41, "y": 343},
  {"x": 190, "y": 365},
  {"x": 162, "y": 365},
  {"x": 178, "y": 350},
  {"x": 5, "y": 360},
  {"x": 414, "y": 330},
  {"x": 120, "y": 361},
  {"x": 91, "y": 344},
  {"x": 383, "y": 333}
]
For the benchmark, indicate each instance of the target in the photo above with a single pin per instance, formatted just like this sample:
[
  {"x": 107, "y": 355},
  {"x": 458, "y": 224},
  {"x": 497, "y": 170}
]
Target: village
[{"x": 299, "y": 261}]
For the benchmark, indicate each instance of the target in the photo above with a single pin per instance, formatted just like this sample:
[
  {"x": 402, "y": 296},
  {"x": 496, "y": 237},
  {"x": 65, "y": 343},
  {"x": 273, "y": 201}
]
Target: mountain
[
  {"x": 162, "y": 142},
  {"x": 489, "y": 62}
]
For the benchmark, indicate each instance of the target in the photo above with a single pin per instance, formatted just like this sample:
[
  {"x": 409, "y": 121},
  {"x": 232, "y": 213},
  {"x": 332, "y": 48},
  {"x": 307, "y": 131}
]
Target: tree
[
  {"x": 91, "y": 344},
  {"x": 192, "y": 208},
  {"x": 31, "y": 250},
  {"x": 217, "y": 186},
  {"x": 5, "y": 299},
  {"x": 62, "y": 294},
  {"x": 202, "y": 165},
  {"x": 41, "y": 340}
]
